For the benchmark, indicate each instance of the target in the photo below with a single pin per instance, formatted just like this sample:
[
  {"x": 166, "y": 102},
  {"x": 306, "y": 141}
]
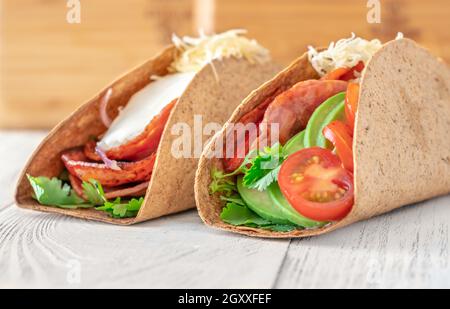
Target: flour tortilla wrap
[
  {"x": 401, "y": 145},
  {"x": 214, "y": 93}
]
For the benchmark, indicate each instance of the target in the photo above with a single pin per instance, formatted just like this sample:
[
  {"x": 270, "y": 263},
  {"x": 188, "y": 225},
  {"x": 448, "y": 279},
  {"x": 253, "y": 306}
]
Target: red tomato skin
[
  {"x": 351, "y": 103},
  {"x": 340, "y": 135},
  {"x": 327, "y": 211},
  {"x": 344, "y": 74},
  {"x": 336, "y": 74},
  {"x": 351, "y": 73}
]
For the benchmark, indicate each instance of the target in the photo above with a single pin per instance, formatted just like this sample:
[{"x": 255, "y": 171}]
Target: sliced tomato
[
  {"x": 340, "y": 135},
  {"x": 316, "y": 185},
  {"x": 351, "y": 73},
  {"x": 336, "y": 74},
  {"x": 351, "y": 103},
  {"x": 344, "y": 74}
]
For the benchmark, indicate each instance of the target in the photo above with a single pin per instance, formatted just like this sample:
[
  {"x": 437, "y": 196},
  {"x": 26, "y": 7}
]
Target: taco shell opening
[
  {"x": 214, "y": 93},
  {"x": 401, "y": 145}
]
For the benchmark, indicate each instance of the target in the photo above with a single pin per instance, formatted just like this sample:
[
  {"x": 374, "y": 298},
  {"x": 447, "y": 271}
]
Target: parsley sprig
[
  {"x": 260, "y": 169},
  {"x": 264, "y": 168},
  {"x": 55, "y": 192}
]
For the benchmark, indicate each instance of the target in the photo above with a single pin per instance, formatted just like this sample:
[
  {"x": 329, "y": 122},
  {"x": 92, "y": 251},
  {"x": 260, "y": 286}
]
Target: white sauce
[
  {"x": 142, "y": 107},
  {"x": 195, "y": 54}
]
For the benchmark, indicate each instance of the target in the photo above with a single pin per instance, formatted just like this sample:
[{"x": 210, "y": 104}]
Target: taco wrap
[
  {"x": 343, "y": 134},
  {"x": 112, "y": 159}
]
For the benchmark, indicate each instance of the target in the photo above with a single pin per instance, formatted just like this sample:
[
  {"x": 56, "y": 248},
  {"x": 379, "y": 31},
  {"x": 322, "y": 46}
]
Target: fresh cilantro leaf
[
  {"x": 119, "y": 209},
  {"x": 264, "y": 181},
  {"x": 93, "y": 190},
  {"x": 264, "y": 168},
  {"x": 53, "y": 192}
]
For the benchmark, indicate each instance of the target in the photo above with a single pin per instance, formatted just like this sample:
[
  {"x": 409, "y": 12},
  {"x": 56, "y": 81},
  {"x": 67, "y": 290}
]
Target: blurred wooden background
[{"x": 48, "y": 67}]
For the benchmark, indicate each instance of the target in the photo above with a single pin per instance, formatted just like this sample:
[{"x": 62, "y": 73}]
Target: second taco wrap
[
  {"x": 341, "y": 135},
  {"x": 113, "y": 161}
]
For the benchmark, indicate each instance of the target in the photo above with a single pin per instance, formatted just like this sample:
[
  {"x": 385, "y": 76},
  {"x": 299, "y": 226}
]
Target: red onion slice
[{"x": 112, "y": 164}]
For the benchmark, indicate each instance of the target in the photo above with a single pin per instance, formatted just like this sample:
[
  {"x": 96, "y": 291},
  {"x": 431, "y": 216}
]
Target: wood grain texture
[
  {"x": 15, "y": 149},
  {"x": 41, "y": 250},
  {"x": 408, "y": 248},
  {"x": 287, "y": 27},
  {"x": 49, "y": 67}
]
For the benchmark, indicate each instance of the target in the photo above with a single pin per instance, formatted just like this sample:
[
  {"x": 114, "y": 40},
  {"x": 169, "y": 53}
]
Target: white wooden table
[{"x": 408, "y": 248}]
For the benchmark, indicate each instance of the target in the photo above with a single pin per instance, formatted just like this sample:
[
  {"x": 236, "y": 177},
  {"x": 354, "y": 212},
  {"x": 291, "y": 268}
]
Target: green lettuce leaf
[
  {"x": 235, "y": 198},
  {"x": 240, "y": 215},
  {"x": 236, "y": 214}
]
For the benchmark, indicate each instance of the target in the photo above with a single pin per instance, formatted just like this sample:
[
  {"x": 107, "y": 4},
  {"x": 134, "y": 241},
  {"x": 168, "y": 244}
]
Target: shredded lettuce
[{"x": 222, "y": 183}]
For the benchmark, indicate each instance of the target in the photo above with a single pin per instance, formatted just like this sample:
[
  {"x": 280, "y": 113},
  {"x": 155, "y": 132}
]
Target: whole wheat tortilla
[
  {"x": 214, "y": 93},
  {"x": 401, "y": 145}
]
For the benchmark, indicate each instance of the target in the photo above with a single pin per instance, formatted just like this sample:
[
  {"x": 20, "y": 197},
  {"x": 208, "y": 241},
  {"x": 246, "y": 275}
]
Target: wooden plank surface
[
  {"x": 408, "y": 248},
  {"x": 15, "y": 149},
  {"x": 45, "y": 250}
]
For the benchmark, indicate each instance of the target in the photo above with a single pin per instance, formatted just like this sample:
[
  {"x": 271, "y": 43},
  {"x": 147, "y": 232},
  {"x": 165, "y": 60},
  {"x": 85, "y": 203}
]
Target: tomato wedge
[
  {"x": 351, "y": 103},
  {"x": 336, "y": 74},
  {"x": 351, "y": 73},
  {"x": 340, "y": 135},
  {"x": 344, "y": 74},
  {"x": 316, "y": 185}
]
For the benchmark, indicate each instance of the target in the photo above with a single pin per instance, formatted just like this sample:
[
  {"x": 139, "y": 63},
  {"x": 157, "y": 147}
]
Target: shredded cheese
[
  {"x": 345, "y": 53},
  {"x": 198, "y": 52}
]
